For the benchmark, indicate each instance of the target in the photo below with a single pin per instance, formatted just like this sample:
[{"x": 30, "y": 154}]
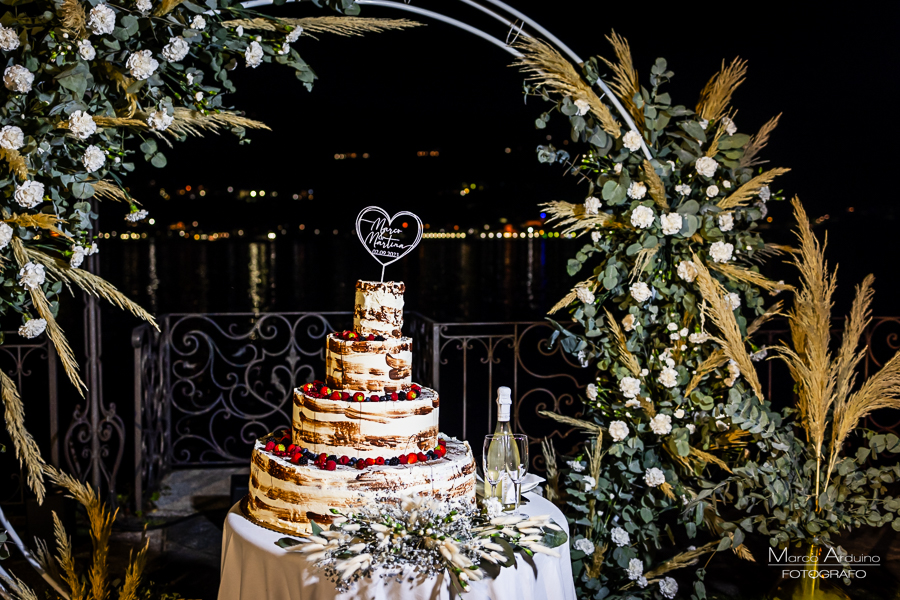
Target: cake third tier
[{"x": 368, "y": 365}]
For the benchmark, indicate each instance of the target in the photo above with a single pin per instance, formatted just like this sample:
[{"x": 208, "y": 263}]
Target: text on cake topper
[{"x": 384, "y": 239}]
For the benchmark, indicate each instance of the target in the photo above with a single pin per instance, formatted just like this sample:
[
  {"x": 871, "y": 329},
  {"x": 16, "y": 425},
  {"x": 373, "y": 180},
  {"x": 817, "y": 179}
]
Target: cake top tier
[{"x": 379, "y": 308}]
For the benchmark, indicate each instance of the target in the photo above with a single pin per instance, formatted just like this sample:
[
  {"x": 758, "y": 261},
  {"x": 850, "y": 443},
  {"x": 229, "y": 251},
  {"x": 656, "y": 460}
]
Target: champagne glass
[
  {"x": 494, "y": 461},
  {"x": 516, "y": 464}
]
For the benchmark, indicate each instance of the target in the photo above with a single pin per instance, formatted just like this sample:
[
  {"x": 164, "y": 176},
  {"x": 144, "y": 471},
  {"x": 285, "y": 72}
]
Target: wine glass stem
[{"x": 518, "y": 496}]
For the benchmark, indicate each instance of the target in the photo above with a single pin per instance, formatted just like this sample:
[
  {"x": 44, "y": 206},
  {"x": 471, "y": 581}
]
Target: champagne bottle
[{"x": 503, "y": 450}]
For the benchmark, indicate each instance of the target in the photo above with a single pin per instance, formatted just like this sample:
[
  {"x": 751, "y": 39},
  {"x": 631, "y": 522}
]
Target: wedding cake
[{"x": 364, "y": 433}]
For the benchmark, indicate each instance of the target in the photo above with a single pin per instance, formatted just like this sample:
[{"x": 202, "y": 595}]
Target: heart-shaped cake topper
[{"x": 384, "y": 239}]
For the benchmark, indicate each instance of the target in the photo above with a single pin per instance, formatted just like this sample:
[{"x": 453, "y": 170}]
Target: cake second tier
[
  {"x": 366, "y": 429},
  {"x": 364, "y": 365}
]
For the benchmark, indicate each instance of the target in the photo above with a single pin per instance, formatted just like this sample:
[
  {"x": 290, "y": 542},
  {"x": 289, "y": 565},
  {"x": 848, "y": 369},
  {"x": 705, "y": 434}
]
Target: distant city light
[
  {"x": 271, "y": 235},
  {"x": 543, "y": 215},
  {"x": 151, "y": 221},
  {"x": 230, "y": 189},
  {"x": 507, "y": 150}
]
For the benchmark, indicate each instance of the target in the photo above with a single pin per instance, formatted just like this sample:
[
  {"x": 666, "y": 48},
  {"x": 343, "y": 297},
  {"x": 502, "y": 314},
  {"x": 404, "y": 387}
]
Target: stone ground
[{"x": 185, "y": 531}]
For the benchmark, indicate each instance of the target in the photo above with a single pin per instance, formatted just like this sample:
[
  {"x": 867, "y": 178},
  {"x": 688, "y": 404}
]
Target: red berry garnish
[
  {"x": 360, "y": 464},
  {"x": 359, "y": 397},
  {"x": 279, "y": 448},
  {"x": 421, "y": 456},
  {"x": 307, "y": 387},
  {"x": 370, "y": 337},
  {"x": 394, "y": 396},
  {"x": 411, "y": 395},
  {"x": 330, "y": 465},
  {"x": 343, "y": 460},
  {"x": 440, "y": 451},
  {"x": 335, "y": 396},
  {"x": 270, "y": 445},
  {"x": 370, "y": 462},
  {"x": 375, "y": 398},
  {"x": 412, "y": 458},
  {"x": 345, "y": 395},
  {"x": 296, "y": 458},
  {"x": 379, "y": 461},
  {"x": 416, "y": 387},
  {"x": 291, "y": 448},
  {"x": 403, "y": 459},
  {"x": 325, "y": 391},
  {"x": 322, "y": 457}
]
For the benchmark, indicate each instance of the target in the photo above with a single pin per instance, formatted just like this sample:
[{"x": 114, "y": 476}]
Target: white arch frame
[{"x": 495, "y": 41}]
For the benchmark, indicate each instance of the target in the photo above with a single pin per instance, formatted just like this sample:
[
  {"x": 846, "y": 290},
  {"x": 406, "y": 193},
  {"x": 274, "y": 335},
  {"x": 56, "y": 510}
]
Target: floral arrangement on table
[
  {"x": 678, "y": 423},
  {"x": 426, "y": 535}
]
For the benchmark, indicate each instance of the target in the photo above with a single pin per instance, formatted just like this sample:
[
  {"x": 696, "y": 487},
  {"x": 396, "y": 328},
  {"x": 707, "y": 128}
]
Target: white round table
[{"x": 254, "y": 568}]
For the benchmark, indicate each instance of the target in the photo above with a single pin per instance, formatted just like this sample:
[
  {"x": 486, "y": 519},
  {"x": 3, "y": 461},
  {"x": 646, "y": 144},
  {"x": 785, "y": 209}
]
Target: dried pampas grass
[
  {"x": 66, "y": 559},
  {"x": 16, "y": 162},
  {"x": 73, "y": 18},
  {"x": 27, "y": 450},
  {"x": 592, "y": 428},
  {"x": 716, "y": 95},
  {"x": 625, "y": 83},
  {"x": 655, "y": 186},
  {"x": 625, "y": 356},
  {"x": 570, "y": 297},
  {"x": 743, "y": 194},
  {"x": 549, "y": 453},
  {"x": 758, "y": 142},
  {"x": 190, "y": 122},
  {"x": 343, "y": 26}
]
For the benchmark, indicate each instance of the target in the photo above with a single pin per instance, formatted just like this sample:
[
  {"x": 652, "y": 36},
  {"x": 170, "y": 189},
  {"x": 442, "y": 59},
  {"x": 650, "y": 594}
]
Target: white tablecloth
[{"x": 254, "y": 568}]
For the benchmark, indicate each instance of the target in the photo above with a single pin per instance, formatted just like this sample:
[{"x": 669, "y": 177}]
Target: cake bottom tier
[{"x": 285, "y": 497}]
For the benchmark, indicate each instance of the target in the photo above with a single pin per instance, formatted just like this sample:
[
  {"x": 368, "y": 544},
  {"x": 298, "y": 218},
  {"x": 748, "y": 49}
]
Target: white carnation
[
  {"x": 136, "y": 216},
  {"x": 654, "y": 477},
  {"x": 706, "y": 166},
  {"x": 619, "y": 537},
  {"x": 698, "y": 338},
  {"x": 78, "y": 254},
  {"x": 285, "y": 48},
  {"x": 92, "y": 249},
  {"x": 637, "y": 190},
  {"x": 703, "y": 124},
  {"x": 759, "y": 354},
  {"x": 672, "y": 326},
  {"x": 11, "y": 138},
  {"x": 734, "y": 371},
  {"x": 9, "y": 41},
  {"x": 642, "y": 582},
  {"x": 632, "y": 140},
  {"x": 642, "y": 217},
  {"x": 671, "y": 223},
  {"x": 589, "y": 483},
  {"x": 687, "y": 270},
  {"x": 86, "y": 50},
  {"x": 253, "y": 55},
  {"x": 6, "y": 233},
  {"x": 640, "y": 291},
  {"x": 585, "y": 545},
  {"x": 683, "y": 189},
  {"x": 31, "y": 276},
  {"x": 575, "y": 466},
  {"x": 29, "y": 194},
  {"x": 592, "y": 205},
  {"x": 668, "y": 377},
  {"x": 630, "y": 387},
  {"x": 726, "y": 184},
  {"x": 730, "y": 127},
  {"x": 712, "y": 191},
  {"x": 295, "y": 33},
  {"x": 591, "y": 391},
  {"x": 628, "y": 322},
  {"x": 733, "y": 300},
  {"x": 82, "y": 125},
  {"x": 93, "y": 158},
  {"x": 32, "y": 328},
  {"x": 635, "y": 568},
  {"x": 143, "y": 5},
  {"x": 102, "y": 20},
  {"x": 582, "y": 106},
  {"x": 679, "y": 414},
  {"x": 617, "y": 169},
  {"x": 633, "y": 403},
  {"x": 765, "y": 193},
  {"x": 199, "y": 23},
  {"x": 668, "y": 587},
  {"x": 726, "y": 221},
  {"x": 176, "y": 49},
  {"x": 159, "y": 120},
  {"x": 141, "y": 64},
  {"x": 239, "y": 31},
  {"x": 584, "y": 294},
  {"x": 595, "y": 236},
  {"x": 691, "y": 428},
  {"x": 721, "y": 252},
  {"x": 618, "y": 430},
  {"x": 18, "y": 79},
  {"x": 661, "y": 424}
]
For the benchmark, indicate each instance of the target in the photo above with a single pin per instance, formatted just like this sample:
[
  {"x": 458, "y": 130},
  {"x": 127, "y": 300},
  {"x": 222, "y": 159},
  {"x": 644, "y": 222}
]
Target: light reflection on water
[{"x": 453, "y": 280}]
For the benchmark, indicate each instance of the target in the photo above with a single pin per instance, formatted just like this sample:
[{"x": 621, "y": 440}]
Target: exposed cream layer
[
  {"x": 284, "y": 496},
  {"x": 365, "y": 366},
  {"x": 379, "y": 308},
  {"x": 366, "y": 429}
]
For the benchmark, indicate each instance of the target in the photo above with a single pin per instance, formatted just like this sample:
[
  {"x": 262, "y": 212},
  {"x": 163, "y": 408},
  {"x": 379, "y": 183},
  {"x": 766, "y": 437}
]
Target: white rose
[
  {"x": 9, "y": 41},
  {"x": 640, "y": 291},
  {"x": 199, "y": 23},
  {"x": 726, "y": 221},
  {"x": 29, "y": 194},
  {"x": 679, "y": 414},
  {"x": 618, "y": 430},
  {"x": 668, "y": 587},
  {"x": 82, "y": 125},
  {"x": 86, "y": 50},
  {"x": 691, "y": 427},
  {"x": 93, "y": 158},
  {"x": 18, "y": 79},
  {"x": 630, "y": 387},
  {"x": 159, "y": 120},
  {"x": 575, "y": 466},
  {"x": 733, "y": 300},
  {"x": 102, "y": 20},
  {"x": 592, "y": 205},
  {"x": 632, "y": 140},
  {"x": 654, "y": 477},
  {"x": 726, "y": 184},
  {"x": 141, "y": 64},
  {"x": 11, "y": 137},
  {"x": 32, "y": 328},
  {"x": 582, "y": 106},
  {"x": 619, "y": 537},
  {"x": 176, "y": 49},
  {"x": 584, "y": 294},
  {"x": 671, "y": 223},
  {"x": 661, "y": 424},
  {"x": 617, "y": 169},
  {"x": 683, "y": 189},
  {"x": 78, "y": 254},
  {"x": 712, "y": 191},
  {"x": 31, "y": 276},
  {"x": 765, "y": 193},
  {"x": 6, "y": 233},
  {"x": 635, "y": 568},
  {"x": 628, "y": 322},
  {"x": 642, "y": 217},
  {"x": 143, "y": 5},
  {"x": 637, "y": 190},
  {"x": 721, "y": 252},
  {"x": 687, "y": 270},
  {"x": 253, "y": 55},
  {"x": 585, "y": 545},
  {"x": 730, "y": 127},
  {"x": 294, "y": 35},
  {"x": 706, "y": 166},
  {"x": 589, "y": 483},
  {"x": 698, "y": 338},
  {"x": 591, "y": 391}
]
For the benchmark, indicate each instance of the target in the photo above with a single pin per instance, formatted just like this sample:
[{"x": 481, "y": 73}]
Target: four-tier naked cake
[{"x": 367, "y": 432}]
